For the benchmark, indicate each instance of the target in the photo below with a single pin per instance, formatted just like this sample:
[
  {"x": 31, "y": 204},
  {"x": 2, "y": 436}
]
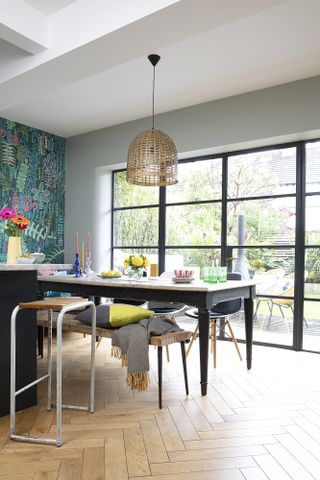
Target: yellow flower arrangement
[{"x": 136, "y": 261}]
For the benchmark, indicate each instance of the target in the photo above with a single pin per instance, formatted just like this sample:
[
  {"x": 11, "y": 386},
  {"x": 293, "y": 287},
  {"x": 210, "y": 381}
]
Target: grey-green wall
[{"x": 278, "y": 114}]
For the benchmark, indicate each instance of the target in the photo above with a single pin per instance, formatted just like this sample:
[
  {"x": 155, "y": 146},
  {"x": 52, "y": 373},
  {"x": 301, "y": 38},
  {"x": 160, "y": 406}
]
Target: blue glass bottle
[{"x": 77, "y": 266}]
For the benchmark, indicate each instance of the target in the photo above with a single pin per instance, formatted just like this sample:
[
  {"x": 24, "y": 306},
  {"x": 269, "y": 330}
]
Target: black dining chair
[{"x": 220, "y": 312}]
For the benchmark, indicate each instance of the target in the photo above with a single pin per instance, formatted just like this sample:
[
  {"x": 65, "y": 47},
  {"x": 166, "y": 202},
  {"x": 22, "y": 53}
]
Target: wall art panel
[{"x": 32, "y": 182}]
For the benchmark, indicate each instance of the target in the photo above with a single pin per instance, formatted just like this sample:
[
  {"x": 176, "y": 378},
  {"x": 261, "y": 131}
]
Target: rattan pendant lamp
[{"x": 152, "y": 156}]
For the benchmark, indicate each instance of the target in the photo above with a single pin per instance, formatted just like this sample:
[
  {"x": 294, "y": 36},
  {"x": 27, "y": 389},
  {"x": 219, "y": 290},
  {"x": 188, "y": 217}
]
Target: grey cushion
[{"x": 102, "y": 312}]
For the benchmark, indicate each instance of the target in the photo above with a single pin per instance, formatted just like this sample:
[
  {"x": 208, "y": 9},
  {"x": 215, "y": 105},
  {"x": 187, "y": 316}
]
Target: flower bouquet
[
  {"x": 15, "y": 224},
  {"x": 135, "y": 265}
]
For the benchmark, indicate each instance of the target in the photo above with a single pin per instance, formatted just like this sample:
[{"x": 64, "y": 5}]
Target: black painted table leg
[
  {"x": 204, "y": 347},
  {"x": 248, "y": 312}
]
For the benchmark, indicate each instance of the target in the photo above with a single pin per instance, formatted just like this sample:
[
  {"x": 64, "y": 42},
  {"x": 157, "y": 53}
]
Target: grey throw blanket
[{"x": 131, "y": 345}]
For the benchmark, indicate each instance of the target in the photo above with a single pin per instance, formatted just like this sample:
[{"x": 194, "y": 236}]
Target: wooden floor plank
[
  {"x": 115, "y": 459},
  {"x": 222, "y": 474},
  {"x": 201, "y": 465},
  {"x": 136, "y": 454},
  {"x": 169, "y": 432},
  {"x": 301, "y": 454},
  {"x": 220, "y": 452},
  {"x": 46, "y": 476},
  {"x": 183, "y": 423},
  {"x": 70, "y": 469},
  {"x": 253, "y": 473},
  {"x": 93, "y": 464},
  {"x": 271, "y": 468},
  {"x": 294, "y": 469},
  {"x": 156, "y": 451}
]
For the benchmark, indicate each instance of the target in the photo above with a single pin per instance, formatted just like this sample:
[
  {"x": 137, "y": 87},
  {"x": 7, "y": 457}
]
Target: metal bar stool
[{"x": 61, "y": 305}]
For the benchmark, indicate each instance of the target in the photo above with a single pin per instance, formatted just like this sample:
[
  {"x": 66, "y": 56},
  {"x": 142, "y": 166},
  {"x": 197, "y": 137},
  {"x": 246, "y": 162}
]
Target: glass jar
[{"x": 135, "y": 273}]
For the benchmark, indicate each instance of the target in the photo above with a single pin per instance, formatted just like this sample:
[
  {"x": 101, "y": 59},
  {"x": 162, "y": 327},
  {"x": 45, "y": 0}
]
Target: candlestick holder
[
  {"x": 88, "y": 265},
  {"x": 77, "y": 266}
]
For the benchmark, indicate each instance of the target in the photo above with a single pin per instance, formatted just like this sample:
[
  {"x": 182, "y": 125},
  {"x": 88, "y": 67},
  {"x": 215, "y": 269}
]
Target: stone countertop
[{"x": 6, "y": 267}]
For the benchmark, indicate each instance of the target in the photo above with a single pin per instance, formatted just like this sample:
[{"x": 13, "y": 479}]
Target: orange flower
[{"x": 20, "y": 220}]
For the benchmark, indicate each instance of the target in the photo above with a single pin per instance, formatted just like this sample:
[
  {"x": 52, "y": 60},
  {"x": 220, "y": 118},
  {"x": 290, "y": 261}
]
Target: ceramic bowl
[
  {"x": 38, "y": 257},
  {"x": 183, "y": 273}
]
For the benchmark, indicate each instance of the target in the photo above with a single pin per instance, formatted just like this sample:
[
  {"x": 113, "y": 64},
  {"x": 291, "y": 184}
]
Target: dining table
[{"x": 197, "y": 294}]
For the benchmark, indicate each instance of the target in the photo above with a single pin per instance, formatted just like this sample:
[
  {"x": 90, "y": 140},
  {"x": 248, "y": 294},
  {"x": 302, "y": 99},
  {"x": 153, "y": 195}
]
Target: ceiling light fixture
[{"x": 152, "y": 156}]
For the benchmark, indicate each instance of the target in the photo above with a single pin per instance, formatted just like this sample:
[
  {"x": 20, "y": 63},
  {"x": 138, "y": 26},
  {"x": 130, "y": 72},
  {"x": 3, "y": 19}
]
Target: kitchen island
[{"x": 18, "y": 283}]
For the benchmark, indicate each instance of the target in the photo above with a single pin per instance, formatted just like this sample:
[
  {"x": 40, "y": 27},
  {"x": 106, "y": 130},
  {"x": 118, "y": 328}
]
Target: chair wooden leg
[
  {"x": 234, "y": 339},
  {"x": 160, "y": 376},
  {"x": 212, "y": 328},
  {"x": 167, "y": 353},
  {"x": 194, "y": 336},
  {"x": 184, "y": 363},
  {"x": 98, "y": 342}
]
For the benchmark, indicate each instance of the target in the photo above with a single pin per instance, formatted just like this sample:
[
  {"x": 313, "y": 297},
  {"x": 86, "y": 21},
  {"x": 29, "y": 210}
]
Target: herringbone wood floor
[{"x": 262, "y": 424}]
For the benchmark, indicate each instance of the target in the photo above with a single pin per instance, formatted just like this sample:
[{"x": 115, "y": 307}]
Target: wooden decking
[{"x": 257, "y": 425}]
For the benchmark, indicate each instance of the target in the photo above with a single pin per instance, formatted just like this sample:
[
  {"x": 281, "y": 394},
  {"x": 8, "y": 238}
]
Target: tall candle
[
  {"x": 82, "y": 255},
  {"x": 77, "y": 242},
  {"x": 89, "y": 244}
]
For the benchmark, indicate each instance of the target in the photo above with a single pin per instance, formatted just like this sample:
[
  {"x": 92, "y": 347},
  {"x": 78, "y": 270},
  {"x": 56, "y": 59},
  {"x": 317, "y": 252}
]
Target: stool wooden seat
[
  {"x": 63, "y": 306},
  {"x": 55, "y": 304},
  {"x": 159, "y": 341}
]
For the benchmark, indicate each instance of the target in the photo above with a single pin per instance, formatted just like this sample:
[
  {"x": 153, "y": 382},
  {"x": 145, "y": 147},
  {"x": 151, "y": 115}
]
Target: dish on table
[
  {"x": 182, "y": 279},
  {"x": 110, "y": 274},
  {"x": 25, "y": 260}
]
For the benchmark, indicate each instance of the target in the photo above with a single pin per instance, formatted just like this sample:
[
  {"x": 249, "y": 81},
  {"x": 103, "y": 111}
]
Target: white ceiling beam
[{"x": 23, "y": 26}]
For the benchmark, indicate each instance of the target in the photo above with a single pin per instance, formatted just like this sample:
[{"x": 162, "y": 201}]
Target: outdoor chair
[
  {"x": 269, "y": 286},
  {"x": 284, "y": 303}
]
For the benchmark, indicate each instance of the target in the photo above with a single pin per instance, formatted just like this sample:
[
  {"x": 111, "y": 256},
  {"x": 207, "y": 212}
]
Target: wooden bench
[{"x": 72, "y": 324}]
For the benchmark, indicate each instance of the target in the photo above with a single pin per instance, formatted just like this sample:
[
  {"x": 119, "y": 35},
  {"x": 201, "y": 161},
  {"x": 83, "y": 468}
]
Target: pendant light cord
[{"x": 153, "y": 89}]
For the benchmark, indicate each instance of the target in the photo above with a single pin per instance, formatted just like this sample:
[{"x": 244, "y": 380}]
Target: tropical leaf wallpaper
[{"x": 32, "y": 169}]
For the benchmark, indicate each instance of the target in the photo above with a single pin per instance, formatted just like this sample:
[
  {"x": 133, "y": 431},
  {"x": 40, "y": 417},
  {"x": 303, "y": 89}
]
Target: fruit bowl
[
  {"x": 25, "y": 260},
  {"x": 110, "y": 274}
]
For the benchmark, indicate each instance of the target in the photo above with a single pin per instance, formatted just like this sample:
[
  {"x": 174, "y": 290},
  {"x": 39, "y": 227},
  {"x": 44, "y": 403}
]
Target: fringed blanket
[{"x": 130, "y": 344}]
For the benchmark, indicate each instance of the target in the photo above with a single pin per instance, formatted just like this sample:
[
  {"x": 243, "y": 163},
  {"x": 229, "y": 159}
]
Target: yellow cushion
[
  {"x": 123, "y": 314},
  {"x": 115, "y": 315}
]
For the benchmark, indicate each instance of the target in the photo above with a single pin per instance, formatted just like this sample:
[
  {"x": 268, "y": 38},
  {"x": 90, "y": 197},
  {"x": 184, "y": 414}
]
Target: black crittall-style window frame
[{"x": 226, "y": 250}]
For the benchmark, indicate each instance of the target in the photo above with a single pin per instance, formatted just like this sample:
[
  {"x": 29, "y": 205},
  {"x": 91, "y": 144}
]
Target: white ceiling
[
  {"x": 48, "y": 7},
  {"x": 77, "y": 66}
]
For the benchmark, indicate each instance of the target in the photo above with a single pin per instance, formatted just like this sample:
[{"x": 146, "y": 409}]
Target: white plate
[
  {"x": 107, "y": 277},
  {"x": 182, "y": 280}
]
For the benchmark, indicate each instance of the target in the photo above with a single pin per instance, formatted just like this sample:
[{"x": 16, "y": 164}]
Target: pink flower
[{"x": 7, "y": 213}]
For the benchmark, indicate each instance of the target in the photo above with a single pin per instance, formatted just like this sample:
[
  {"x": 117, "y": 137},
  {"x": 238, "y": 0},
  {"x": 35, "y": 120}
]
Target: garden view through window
[{"x": 238, "y": 209}]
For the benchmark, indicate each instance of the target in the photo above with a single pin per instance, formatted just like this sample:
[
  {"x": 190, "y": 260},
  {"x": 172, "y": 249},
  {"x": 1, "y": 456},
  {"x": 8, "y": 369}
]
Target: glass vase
[
  {"x": 135, "y": 273},
  {"x": 14, "y": 249}
]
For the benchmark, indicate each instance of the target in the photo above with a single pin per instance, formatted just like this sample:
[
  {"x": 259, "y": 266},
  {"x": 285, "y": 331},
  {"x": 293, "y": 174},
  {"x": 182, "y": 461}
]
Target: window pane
[
  {"x": 126, "y": 195},
  {"x": 271, "y": 266},
  {"x": 271, "y": 172},
  {"x": 313, "y": 167},
  {"x": 192, "y": 257},
  {"x": 136, "y": 227},
  {"x": 193, "y": 225},
  {"x": 199, "y": 180},
  {"x": 267, "y": 222},
  {"x": 311, "y": 326},
  {"x": 312, "y": 273},
  {"x": 313, "y": 220},
  {"x": 120, "y": 254}
]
